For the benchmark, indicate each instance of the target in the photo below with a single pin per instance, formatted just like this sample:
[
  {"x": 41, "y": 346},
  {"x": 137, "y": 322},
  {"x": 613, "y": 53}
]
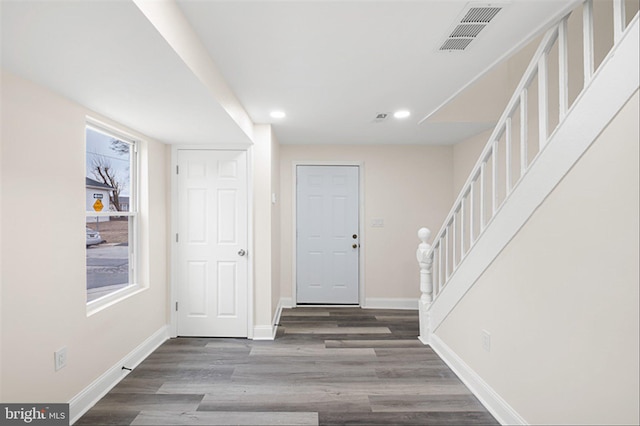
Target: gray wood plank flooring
[{"x": 327, "y": 366}]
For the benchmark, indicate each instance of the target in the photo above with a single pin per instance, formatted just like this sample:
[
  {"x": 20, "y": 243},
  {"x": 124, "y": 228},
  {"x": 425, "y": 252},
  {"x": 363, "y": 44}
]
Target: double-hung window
[{"x": 111, "y": 213}]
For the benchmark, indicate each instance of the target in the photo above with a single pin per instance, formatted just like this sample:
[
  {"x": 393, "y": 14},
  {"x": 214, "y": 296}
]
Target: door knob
[
  {"x": 354, "y": 246},
  {"x": 242, "y": 252}
]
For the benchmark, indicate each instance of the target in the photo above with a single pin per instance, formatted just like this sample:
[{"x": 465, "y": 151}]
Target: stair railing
[{"x": 508, "y": 154}]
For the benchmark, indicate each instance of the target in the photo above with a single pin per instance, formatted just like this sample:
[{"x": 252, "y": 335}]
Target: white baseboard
[
  {"x": 498, "y": 407},
  {"x": 90, "y": 395},
  {"x": 264, "y": 332},
  {"x": 278, "y": 314},
  {"x": 382, "y": 303},
  {"x": 286, "y": 303}
]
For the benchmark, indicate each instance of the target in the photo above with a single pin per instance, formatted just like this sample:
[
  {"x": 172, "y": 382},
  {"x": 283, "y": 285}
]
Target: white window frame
[{"x": 133, "y": 214}]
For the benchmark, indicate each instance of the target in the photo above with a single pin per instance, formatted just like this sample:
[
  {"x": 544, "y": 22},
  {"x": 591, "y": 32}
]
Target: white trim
[
  {"x": 498, "y": 407},
  {"x": 619, "y": 18},
  {"x": 264, "y": 332},
  {"x": 286, "y": 303},
  {"x": 615, "y": 81},
  {"x": 110, "y": 129},
  {"x": 283, "y": 303},
  {"x": 213, "y": 146},
  {"x": 250, "y": 244},
  {"x": 587, "y": 41},
  {"x": 110, "y": 213},
  {"x": 134, "y": 285},
  {"x": 361, "y": 225},
  {"x": 388, "y": 303},
  {"x": 277, "y": 314},
  {"x": 113, "y": 298},
  {"x": 294, "y": 233},
  {"x": 89, "y": 396},
  {"x": 173, "y": 247},
  {"x": 173, "y": 287}
]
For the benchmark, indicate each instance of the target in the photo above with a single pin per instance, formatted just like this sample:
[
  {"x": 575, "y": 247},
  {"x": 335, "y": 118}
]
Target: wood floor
[{"x": 328, "y": 366}]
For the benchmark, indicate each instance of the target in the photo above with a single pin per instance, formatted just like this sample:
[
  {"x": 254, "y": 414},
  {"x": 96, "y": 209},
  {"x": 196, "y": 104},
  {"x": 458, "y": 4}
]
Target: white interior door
[
  {"x": 327, "y": 242},
  {"x": 212, "y": 243}
]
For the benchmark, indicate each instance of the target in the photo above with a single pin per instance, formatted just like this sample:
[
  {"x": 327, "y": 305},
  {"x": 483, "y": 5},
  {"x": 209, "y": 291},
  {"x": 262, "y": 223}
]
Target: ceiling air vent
[
  {"x": 481, "y": 15},
  {"x": 466, "y": 31},
  {"x": 468, "y": 28},
  {"x": 456, "y": 44}
]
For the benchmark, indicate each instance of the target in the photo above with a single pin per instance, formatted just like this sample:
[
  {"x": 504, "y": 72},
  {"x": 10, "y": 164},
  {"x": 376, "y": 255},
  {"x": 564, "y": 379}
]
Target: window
[{"x": 111, "y": 213}]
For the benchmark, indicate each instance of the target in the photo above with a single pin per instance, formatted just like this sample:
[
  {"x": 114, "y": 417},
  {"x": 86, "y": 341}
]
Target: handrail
[{"x": 449, "y": 247}]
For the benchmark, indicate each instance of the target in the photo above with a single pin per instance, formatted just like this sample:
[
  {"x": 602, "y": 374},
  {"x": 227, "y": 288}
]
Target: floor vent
[{"x": 467, "y": 29}]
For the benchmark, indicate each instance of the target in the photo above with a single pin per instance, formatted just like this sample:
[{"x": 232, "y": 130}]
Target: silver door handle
[{"x": 242, "y": 252}]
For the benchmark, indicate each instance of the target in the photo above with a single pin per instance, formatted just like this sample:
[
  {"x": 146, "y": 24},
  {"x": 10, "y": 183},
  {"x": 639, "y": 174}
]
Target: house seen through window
[{"x": 110, "y": 212}]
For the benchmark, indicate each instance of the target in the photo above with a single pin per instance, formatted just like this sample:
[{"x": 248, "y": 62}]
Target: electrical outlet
[
  {"x": 486, "y": 340},
  {"x": 60, "y": 358}
]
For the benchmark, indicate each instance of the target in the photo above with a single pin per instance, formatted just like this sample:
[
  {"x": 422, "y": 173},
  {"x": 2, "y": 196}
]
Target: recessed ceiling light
[
  {"x": 278, "y": 114},
  {"x": 403, "y": 113}
]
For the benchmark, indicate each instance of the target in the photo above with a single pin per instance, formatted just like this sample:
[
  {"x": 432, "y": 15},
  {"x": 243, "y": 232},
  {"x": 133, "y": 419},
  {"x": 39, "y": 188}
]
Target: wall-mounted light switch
[
  {"x": 377, "y": 223},
  {"x": 486, "y": 340},
  {"x": 60, "y": 358}
]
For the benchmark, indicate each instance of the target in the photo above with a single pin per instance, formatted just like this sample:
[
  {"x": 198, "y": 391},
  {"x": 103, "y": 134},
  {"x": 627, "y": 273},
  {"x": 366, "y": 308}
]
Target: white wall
[
  {"x": 407, "y": 186},
  {"x": 265, "y": 225},
  {"x": 561, "y": 300},
  {"x": 43, "y": 255},
  {"x": 275, "y": 223}
]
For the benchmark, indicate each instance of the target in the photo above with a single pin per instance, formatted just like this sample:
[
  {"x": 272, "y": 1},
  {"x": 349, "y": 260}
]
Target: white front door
[
  {"x": 212, "y": 243},
  {"x": 327, "y": 243}
]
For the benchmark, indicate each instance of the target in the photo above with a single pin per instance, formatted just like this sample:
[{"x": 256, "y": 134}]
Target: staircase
[{"x": 556, "y": 112}]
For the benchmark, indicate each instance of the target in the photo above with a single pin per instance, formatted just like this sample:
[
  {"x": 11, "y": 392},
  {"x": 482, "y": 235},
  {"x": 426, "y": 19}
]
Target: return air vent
[
  {"x": 467, "y": 29},
  {"x": 456, "y": 44},
  {"x": 481, "y": 15}
]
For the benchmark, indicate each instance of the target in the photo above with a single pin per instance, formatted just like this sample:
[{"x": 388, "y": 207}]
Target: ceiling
[{"x": 330, "y": 65}]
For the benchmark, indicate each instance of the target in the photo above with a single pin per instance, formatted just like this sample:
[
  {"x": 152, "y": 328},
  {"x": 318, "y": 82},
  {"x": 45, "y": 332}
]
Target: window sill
[{"x": 111, "y": 299}]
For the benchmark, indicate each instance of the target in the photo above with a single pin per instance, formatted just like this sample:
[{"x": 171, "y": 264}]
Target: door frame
[
  {"x": 294, "y": 220},
  {"x": 173, "y": 261}
]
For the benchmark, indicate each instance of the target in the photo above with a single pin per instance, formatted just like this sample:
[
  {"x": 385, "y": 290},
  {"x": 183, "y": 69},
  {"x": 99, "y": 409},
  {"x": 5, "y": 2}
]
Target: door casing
[
  {"x": 361, "y": 225},
  {"x": 173, "y": 297}
]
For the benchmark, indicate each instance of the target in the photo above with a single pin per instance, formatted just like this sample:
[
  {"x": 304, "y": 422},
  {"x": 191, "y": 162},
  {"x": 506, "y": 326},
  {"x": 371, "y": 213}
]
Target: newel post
[{"x": 425, "y": 260}]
